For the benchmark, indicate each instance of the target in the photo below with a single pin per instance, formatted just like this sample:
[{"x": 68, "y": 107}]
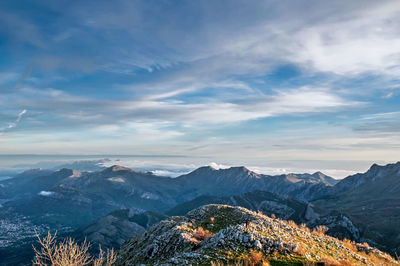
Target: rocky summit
[{"x": 220, "y": 234}]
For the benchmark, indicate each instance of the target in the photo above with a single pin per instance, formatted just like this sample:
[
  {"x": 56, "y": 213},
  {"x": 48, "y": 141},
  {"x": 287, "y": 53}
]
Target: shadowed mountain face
[
  {"x": 235, "y": 180},
  {"x": 380, "y": 180},
  {"x": 283, "y": 207},
  {"x": 372, "y": 201},
  {"x": 112, "y": 230}
]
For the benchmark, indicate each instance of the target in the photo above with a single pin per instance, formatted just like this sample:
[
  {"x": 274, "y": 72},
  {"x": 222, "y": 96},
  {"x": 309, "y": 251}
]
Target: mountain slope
[
  {"x": 237, "y": 233},
  {"x": 126, "y": 188},
  {"x": 112, "y": 230},
  {"x": 389, "y": 175},
  {"x": 22, "y": 183},
  {"x": 372, "y": 201}
]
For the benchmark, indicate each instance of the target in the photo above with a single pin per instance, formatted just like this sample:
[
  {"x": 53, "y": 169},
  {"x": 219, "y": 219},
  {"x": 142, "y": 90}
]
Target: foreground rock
[{"x": 222, "y": 233}]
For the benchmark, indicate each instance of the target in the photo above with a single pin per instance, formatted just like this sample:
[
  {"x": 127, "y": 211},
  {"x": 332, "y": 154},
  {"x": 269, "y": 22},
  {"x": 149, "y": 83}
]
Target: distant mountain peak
[
  {"x": 240, "y": 168},
  {"x": 319, "y": 173},
  {"x": 317, "y": 177},
  {"x": 208, "y": 167},
  {"x": 233, "y": 169},
  {"x": 376, "y": 167},
  {"x": 75, "y": 174},
  {"x": 65, "y": 171},
  {"x": 375, "y": 176},
  {"x": 117, "y": 168}
]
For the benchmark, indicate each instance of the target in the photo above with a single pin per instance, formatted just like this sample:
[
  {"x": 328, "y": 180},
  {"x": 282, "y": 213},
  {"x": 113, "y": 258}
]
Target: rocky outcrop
[
  {"x": 228, "y": 233},
  {"x": 340, "y": 226}
]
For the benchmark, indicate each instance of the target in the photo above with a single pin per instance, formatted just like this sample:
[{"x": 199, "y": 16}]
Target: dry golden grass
[
  {"x": 320, "y": 230},
  {"x": 68, "y": 253},
  {"x": 304, "y": 227},
  {"x": 300, "y": 249},
  {"x": 201, "y": 234},
  {"x": 346, "y": 263},
  {"x": 349, "y": 244},
  {"x": 292, "y": 223},
  {"x": 244, "y": 262},
  {"x": 329, "y": 261},
  {"x": 365, "y": 245},
  {"x": 375, "y": 260},
  {"x": 256, "y": 257}
]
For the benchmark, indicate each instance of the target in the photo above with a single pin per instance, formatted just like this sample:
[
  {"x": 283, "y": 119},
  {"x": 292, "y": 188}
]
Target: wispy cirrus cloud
[
  {"x": 162, "y": 109},
  {"x": 15, "y": 123}
]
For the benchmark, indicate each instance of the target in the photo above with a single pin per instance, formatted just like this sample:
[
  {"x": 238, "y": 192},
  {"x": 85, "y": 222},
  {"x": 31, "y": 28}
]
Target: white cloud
[
  {"x": 15, "y": 123},
  {"x": 218, "y": 166},
  {"x": 20, "y": 115},
  {"x": 46, "y": 193},
  {"x": 290, "y": 102},
  {"x": 388, "y": 95},
  {"x": 358, "y": 44},
  {"x": 378, "y": 116},
  {"x": 350, "y": 39}
]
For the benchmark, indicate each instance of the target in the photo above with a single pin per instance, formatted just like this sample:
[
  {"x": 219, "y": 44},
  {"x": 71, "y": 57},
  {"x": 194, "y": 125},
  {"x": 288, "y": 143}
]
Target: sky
[{"x": 303, "y": 84}]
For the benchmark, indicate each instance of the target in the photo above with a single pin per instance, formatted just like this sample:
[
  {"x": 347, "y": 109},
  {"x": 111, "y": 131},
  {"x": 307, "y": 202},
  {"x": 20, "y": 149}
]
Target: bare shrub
[
  {"x": 256, "y": 257},
  {"x": 304, "y": 227},
  {"x": 108, "y": 260},
  {"x": 349, "y": 244},
  {"x": 68, "y": 253},
  {"x": 320, "y": 230},
  {"x": 201, "y": 234},
  {"x": 293, "y": 224}
]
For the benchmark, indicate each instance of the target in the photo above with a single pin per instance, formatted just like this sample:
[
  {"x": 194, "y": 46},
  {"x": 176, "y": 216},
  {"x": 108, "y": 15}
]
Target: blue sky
[{"x": 233, "y": 81}]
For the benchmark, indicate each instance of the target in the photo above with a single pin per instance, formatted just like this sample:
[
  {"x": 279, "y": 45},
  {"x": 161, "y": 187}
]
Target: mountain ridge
[{"x": 225, "y": 234}]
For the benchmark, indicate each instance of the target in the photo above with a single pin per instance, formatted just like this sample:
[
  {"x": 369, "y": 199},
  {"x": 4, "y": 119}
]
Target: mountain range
[{"x": 362, "y": 207}]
